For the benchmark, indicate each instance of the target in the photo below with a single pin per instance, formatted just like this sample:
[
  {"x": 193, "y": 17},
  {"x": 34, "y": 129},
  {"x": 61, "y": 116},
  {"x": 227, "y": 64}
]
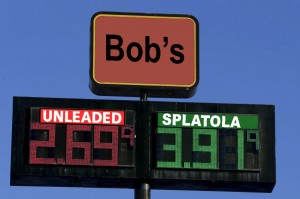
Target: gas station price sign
[
  {"x": 207, "y": 141},
  {"x": 216, "y": 147},
  {"x": 81, "y": 137},
  {"x": 73, "y": 142},
  {"x": 118, "y": 144}
]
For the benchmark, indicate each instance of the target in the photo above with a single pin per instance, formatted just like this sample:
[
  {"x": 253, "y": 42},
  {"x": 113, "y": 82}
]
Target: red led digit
[
  {"x": 130, "y": 136},
  {"x": 34, "y": 144},
  {"x": 86, "y": 146},
  {"x": 104, "y": 145}
]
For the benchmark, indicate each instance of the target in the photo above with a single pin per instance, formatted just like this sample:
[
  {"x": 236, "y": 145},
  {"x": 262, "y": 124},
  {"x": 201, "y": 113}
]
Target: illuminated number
[
  {"x": 80, "y": 147},
  {"x": 241, "y": 149},
  {"x": 47, "y": 133},
  {"x": 128, "y": 132},
  {"x": 252, "y": 136},
  {"x": 171, "y": 147},
  {"x": 252, "y": 146},
  {"x": 210, "y": 148},
  {"x": 106, "y": 144}
]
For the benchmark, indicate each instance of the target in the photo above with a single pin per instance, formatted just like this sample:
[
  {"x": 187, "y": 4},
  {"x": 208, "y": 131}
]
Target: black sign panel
[
  {"x": 227, "y": 147},
  {"x": 105, "y": 143},
  {"x": 63, "y": 142}
]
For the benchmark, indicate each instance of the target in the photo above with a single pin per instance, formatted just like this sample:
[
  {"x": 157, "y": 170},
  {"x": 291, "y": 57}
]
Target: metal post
[
  {"x": 142, "y": 191},
  {"x": 144, "y": 96}
]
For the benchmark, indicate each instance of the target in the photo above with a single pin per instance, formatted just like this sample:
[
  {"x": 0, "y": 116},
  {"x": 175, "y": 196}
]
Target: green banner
[{"x": 207, "y": 120}]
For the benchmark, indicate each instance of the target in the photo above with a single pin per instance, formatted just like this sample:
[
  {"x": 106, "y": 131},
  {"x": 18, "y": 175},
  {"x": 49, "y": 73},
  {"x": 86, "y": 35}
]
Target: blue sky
[{"x": 249, "y": 53}]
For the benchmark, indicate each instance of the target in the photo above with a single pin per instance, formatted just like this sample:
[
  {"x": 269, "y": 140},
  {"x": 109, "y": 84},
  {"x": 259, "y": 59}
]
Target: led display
[
  {"x": 56, "y": 140},
  {"x": 207, "y": 141}
]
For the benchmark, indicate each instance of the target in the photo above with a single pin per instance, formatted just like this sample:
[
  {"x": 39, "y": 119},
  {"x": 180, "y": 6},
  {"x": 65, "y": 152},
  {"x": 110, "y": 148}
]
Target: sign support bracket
[{"x": 144, "y": 96}]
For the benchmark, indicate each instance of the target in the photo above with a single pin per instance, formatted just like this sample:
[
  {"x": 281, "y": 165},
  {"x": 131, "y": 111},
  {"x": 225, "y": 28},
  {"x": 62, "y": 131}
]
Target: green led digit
[
  {"x": 241, "y": 149},
  {"x": 252, "y": 136},
  {"x": 170, "y": 147},
  {"x": 212, "y": 148}
]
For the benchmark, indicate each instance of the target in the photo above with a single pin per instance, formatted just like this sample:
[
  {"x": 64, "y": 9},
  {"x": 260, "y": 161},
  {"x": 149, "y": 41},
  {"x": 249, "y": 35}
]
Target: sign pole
[{"x": 142, "y": 191}]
